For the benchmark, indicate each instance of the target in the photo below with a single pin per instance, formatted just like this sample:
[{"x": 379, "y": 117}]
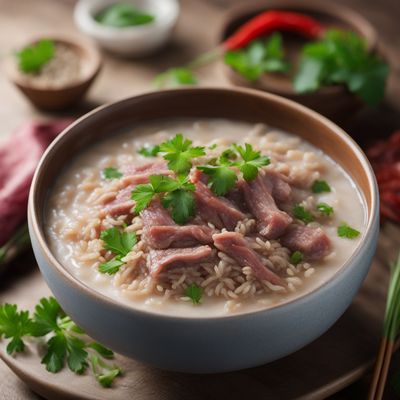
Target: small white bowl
[{"x": 132, "y": 41}]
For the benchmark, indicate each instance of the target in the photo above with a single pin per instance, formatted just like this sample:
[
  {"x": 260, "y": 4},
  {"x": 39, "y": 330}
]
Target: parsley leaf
[
  {"x": 120, "y": 243},
  {"x": 179, "y": 153},
  {"x": 222, "y": 178},
  {"x": 342, "y": 57},
  {"x": 149, "y": 150},
  {"x": 181, "y": 203},
  {"x": 252, "y": 161},
  {"x": 345, "y": 231},
  {"x": 302, "y": 214},
  {"x": 258, "y": 57},
  {"x": 31, "y": 59},
  {"x": 15, "y": 325},
  {"x": 194, "y": 292},
  {"x": 320, "y": 186},
  {"x": 64, "y": 345},
  {"x": 112, "y": 266},
  {"x": 296, "y": 257},
  {"x": 174, "y": 77},
  {"x": 111, "y": 173},
  {"x": 177, "y": 195},
  {"x": 325, "y": 209},
  {"x": 142, "y": 194},
  {"x": 121, "y": 15}
]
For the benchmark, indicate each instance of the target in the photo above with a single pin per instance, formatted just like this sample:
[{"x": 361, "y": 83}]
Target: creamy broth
[{"x": 71, "y": 202}]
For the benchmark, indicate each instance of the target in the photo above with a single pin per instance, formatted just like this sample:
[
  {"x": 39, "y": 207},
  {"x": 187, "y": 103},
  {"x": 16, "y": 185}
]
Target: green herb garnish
[
  {"x": 104, "y": 373},
  {"x": 194, "y": 292},
  {"x": 150, "y": 150},
  {"x": 342, "y": 57},
  {"x": 258, "y": 57},
  {"x": 296, "y": 257},
  {"x": 175, "y": 77},
  {"x": 176, "y": 195},
  {"x": 65, "y": 341},
  {"x": 111, "y": 173},
  {"x": 179, "y": 153},
  {"x": 121, "y": 15},
  {"x": 221, "y": 178},
  {"x": 251, "y": 161},
  {"x": 120, "y": 244},
  {"x": 320, "y": 187},
  {"x": 325, "y": 209},
  {"x": 31, "y": 59},
  {"x": 348, "y": 232},
  {"x": 302, "y": 214}
]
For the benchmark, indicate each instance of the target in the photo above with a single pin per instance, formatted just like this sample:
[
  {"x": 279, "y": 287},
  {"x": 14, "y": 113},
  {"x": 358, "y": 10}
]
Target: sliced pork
[
  {"x": 135, "y": 174},
  {"x": 161, "y": 232},
  {"x": 272, "y": 222},
  {"x": 122, "y": 204},
  {"x": 221, "y": 212},
  {"x": 158, "y": 260},
  {"x": 312, "y": 242},
  {"x": 278, "y": 185},
  {"x": 235, "y": 246}
]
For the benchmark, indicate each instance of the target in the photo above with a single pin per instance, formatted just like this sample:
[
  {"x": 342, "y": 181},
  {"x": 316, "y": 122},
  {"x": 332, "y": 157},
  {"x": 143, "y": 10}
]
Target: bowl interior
[{"x": 241, "y": 104}]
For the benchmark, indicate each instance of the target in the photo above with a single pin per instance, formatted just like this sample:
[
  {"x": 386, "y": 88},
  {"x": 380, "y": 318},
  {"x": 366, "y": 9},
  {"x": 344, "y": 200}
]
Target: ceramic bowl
[
  {"x": 133, "y": 41},
  {"x": 214, "y": 344},
  {"x": 67, "y": 95},
  {"x": 332, "y": 101}
]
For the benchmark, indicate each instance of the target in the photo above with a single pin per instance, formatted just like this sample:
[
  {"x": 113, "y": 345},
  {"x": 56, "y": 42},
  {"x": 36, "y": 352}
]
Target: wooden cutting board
[{"x": 331, "y": 362}]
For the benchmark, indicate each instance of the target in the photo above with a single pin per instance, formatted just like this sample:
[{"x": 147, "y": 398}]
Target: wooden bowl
[
  {"x": 331, "y": 101},
  {"x": 58, "y": 98}
]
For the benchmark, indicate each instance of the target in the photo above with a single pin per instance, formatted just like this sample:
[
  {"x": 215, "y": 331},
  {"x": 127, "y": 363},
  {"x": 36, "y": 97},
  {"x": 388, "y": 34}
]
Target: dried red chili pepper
[
  {"x": 269, "y": 21},
  {"x": 385, "y": 159}
]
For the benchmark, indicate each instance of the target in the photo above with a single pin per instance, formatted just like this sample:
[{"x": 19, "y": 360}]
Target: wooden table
[{"x": 197, "y": 30}]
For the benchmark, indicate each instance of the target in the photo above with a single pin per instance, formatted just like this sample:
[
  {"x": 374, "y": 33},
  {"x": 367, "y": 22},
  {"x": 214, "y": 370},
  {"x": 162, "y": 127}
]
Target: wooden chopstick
[{"x": 381, "y": 369}]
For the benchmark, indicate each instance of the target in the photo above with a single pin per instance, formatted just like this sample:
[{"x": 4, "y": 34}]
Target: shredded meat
[
  {"x": 312, "y": 242},
  {"x": 235, "y": 246},
  {"x": 158, "y": 260},
  {"x": 272, "y": 222}
]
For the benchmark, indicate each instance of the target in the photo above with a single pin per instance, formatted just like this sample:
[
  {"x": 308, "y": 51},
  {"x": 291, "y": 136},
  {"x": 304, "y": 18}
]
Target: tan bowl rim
[
  {"x": 83, "y": 44},
  {"x": 339, "y": 11},
  {"x": 69, "y": 279}
]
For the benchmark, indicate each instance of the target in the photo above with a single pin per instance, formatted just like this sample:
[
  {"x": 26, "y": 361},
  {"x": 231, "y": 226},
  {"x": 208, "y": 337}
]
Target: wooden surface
[{"x": 197, "y": 31}]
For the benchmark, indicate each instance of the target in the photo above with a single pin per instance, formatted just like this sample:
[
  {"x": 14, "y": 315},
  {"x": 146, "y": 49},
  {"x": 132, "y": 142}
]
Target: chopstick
[
  {"x": 391, "y": 329},
  {"x": 381, "y": 369}
]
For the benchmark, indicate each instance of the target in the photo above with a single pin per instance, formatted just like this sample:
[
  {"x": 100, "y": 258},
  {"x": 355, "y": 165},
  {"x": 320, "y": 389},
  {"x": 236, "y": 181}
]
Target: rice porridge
[{"x": 244, "y": 218}]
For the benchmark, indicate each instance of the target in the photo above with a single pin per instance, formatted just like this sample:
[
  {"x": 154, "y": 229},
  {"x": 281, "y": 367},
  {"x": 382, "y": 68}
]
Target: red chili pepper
[
  {"x": 385, "y": 158},
  {"x": 270, "y": 21}
]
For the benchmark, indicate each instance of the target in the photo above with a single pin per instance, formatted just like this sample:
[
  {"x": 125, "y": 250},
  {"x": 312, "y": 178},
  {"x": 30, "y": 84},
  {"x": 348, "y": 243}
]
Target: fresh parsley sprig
[
  {"x": 31, "y": 59},
  {"x": 118, "y": 242},
  {"x": 342, "y": 57},
  {"x": 176, "y": 195},
  {"x": 258, "y": 57},
  {"x": 222, "y": 177},
  {"x": 179, "y": 153},
  {"x": 65, "y": 342}
]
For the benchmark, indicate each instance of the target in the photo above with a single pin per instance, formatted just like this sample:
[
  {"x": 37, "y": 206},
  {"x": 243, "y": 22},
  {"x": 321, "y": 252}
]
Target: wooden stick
[
  {"x": 384, "y": 370},
  {"x": 381, "y": 369}
]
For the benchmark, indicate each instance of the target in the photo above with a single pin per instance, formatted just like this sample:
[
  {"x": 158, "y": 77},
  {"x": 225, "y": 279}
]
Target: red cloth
[{"x": 19, "y": 155}]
